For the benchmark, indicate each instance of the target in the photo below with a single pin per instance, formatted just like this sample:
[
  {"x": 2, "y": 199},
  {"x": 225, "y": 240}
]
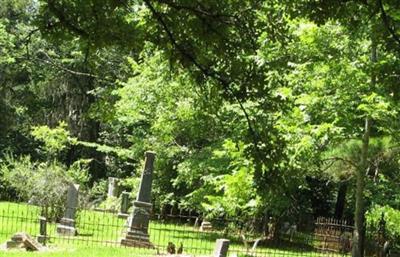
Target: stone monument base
[
  {"x": 138, "y": 222},
  {"x": 67, "y": 227},
  {"x": 41, "y": 239},
  {"x": 137, "y": 239},
  {"x": 137, "y": 235}
]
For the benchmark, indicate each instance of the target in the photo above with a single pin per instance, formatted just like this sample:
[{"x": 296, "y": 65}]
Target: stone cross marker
[
  {"x": 123, "y": 212},
  {"x": 67, "y": 223},
  {"x": 138, "y": 223},
  {"x": 221, "y": 248},
  {"x": 113, "y": 187}
]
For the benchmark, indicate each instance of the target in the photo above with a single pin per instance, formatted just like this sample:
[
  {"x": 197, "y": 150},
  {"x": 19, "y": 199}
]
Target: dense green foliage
[
  {"x": 384, "y": 220},
  {"x": 254, "y": 108}
]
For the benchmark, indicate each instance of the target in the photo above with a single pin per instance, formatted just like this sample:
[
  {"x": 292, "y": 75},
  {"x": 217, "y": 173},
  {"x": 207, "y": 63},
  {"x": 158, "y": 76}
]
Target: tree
[
  {"x": 330, "y": 73},
  {"x": 277, "y": 85},
  {"x": 214, "y": 41}
]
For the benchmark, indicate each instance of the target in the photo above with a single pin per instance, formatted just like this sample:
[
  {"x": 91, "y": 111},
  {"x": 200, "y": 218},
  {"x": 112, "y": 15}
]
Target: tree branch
[
  {"x": 64, "y": 21},
  {"x": 335, "y": 159},
  {"x": 77, "y": 73},
  {"x": 207, "y": 72},
  {"x": 198, "y": 11},
  {"x": 49, "y": 61},
  {"x": 385, "y": 19}
]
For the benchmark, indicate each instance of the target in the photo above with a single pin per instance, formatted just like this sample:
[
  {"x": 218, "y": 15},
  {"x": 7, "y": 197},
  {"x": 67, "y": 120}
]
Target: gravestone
[
  {"x": 123, "y": 212},
  {"x": 206, "y": 226},
  {"x": 23, "y": 240},
  {"x": 67, "y": 223},
  {"x": 42, "y": 230},
  {"x": 113, "y": 187},
  {"x": 138, "y": 222},
  {"x": 221, "y": 248}
]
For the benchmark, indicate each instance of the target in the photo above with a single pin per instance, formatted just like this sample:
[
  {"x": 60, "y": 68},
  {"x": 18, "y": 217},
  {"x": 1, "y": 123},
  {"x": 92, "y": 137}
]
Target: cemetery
[
  {"x": 199, "y": 128},
  {"x": 149, "y": 233},
  {"x": 136, "y": 229}
]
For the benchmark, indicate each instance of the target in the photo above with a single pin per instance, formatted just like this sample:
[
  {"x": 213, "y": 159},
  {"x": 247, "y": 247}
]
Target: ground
[{"x": 97, "y": 229}]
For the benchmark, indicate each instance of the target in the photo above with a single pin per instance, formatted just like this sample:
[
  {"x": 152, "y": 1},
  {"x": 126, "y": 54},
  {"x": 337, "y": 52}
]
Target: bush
[
  {"x": 111, "y": 204},
  {"x": 392, "y": 223},
  {"x": 131, "y": 185},
  {"x": 42, "y": 183},
  {"x": 98, "y": 192}
]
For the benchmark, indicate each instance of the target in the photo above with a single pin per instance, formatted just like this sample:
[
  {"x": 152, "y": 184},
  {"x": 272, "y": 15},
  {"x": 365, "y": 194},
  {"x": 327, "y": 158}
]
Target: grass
[
  {"x": 100, "y": 232},
  {"x": 76, "y": 252}
]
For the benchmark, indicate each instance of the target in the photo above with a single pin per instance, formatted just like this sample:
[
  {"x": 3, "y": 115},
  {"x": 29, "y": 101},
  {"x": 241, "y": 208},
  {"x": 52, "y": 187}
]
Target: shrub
[
  {"x": 111, "y": 203},
  {"x": 392, "y": 223},
  {"x": 42, "y": 183}
]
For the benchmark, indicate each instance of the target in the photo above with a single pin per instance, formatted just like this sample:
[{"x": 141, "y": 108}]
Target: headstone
[
  {"x": 17, "y": 241},
  {"x": 221, "y": 248},
  {"x": 31, "y": 244},
  {"x": 123, "y": 212},
  {"x": 113, "y": 188},
  {"x": 22, "y": 240},
  {"x": 138, "y": 223},
  {"x": 42, "y": 230},
  {"x": 67, "y": 223},
  {"x": 206, "y": 226}
]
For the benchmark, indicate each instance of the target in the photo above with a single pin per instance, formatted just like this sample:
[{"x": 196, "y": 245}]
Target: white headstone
[
  {"x": 112, "y": 187},
  {"x": 221, "y": 248}
]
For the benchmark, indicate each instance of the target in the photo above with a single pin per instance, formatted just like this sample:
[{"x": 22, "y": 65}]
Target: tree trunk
[
  {"x": 358, "y": 237},
  {"x": 341, "y": 200},
  {"x": 359, "y": 233}
]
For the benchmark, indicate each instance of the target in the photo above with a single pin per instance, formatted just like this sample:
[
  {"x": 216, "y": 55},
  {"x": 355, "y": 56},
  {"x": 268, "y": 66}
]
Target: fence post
[{"x": 42, "y": 230}]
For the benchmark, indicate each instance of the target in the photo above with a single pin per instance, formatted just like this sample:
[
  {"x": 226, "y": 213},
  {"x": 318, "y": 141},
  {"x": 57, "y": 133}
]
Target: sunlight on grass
[
  {"x": 78, "y": 252},
  {"x": 100, "y": 234}
]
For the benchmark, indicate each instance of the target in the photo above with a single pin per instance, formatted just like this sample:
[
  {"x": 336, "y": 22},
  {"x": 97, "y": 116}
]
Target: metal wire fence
[{"x": 167, "y": 233}]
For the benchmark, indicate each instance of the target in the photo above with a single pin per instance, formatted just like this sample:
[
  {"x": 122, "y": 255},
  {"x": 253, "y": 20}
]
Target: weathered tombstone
[
  {"x": 123, "y": 212},
  {"x": 138, "y": 222},
  {"x": 221, "y": 248},
  {"x": 17, "y": 241},
  {"x": 206, "y": 226},
  {"x": 31, "y": 244},
  {"x": 42, "y": 230},
  {"x": 67, "y": 223},
  {"x": 113, "y": 188},
  {"x": 23, "y": 240}
]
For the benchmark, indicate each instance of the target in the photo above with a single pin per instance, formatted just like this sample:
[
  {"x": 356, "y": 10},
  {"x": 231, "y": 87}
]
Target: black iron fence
[{"x": 186, "y": 234}]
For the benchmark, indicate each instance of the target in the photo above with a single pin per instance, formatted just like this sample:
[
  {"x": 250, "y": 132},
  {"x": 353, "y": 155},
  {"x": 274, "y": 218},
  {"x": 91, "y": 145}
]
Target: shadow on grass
[{"x": 85, "y": 234}]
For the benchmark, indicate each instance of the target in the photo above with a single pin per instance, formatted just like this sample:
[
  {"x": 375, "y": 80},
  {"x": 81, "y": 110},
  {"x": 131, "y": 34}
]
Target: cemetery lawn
[
  {"x": 106, "y": 227},
  {"x": 87, "y": 251}
]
